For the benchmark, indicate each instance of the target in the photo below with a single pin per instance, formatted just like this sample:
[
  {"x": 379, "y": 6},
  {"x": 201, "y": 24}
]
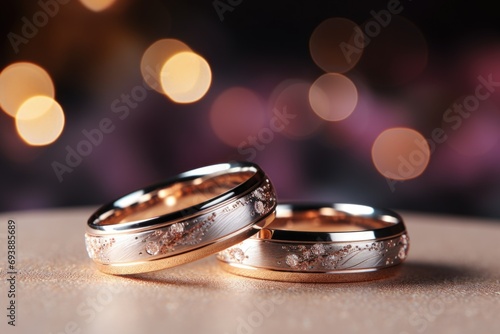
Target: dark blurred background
[{"x": 261, "y": 55}]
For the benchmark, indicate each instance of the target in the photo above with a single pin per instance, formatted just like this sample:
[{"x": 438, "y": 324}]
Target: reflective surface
[
  {"x": 438, "y": 290},
  {"x": 193, "y": 215},
  {"x": 368, "y": 243}
]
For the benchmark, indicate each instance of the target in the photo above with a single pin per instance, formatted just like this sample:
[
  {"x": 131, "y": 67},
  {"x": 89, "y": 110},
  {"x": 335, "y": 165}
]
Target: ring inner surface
[
  {"x": 176, "y": 197},
  {"x": 329, "y": 221}
]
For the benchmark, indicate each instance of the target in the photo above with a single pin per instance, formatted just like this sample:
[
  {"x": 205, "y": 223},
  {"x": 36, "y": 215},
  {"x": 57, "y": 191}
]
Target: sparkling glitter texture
[
  {"x": 97, "y": 247},
  {"x": 331, "y": 256},
  {"x": 175, "y": 237},
  {"x": 233, "y": 254}
]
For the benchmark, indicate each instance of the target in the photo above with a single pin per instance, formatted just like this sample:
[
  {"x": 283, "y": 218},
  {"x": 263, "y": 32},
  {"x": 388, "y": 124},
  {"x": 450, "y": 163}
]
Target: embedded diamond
[
  {"x": 259, "y": 207},
  {"x": 402, "y": 253},
  {"x": 292, "y": 260},
  {"x": 177, "y": 228},
  {"x": 318, "y": 249},
  {"x": 404, "y": 240},
  {"x": 330, "y": 260},
  {"x": 307, "y": 254},
  {"x": 152, "y": 248},
  {"x": 259, "y": 193},
  {"x": 238, "y": 255},
  {"x": 157, "y": 233}
]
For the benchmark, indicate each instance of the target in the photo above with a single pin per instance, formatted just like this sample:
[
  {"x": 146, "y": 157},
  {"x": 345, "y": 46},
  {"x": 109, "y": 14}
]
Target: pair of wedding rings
[{"x": 231, "y": 210}]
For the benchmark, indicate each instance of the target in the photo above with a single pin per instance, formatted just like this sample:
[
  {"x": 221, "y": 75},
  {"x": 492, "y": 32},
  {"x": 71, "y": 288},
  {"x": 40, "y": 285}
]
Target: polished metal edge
[
  {"x": 317, "y": 257},
  {"x": 94, "y": 224},
  {"x": 179, "y": 237}
]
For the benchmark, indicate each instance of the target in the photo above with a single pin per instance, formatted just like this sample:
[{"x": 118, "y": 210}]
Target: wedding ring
[
  {"x": 322, "y": 243},
  {"x": 193, "y": 215}
]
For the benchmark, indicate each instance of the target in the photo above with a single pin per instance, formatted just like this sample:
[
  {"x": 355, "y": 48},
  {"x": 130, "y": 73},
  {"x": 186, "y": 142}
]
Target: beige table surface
[{"x": 450, "y": 284}]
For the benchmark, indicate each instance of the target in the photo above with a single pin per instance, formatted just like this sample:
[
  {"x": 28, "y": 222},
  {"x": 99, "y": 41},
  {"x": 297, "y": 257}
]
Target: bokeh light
[
  {"x": 400, "y": 153},
  {"x": 333, "y": 97},
  {"x": 186, "y": 77},
  {"x": 292, "y": 97},
  {"x": 40, "y": 121},
  {"x": 336, "y": 45},
  {"x": 21, "y": 81},
  {"x": 372, "y": 116},
  {"x": 155, "y": 57},
  {"x": 97, "y": 5},
  {"x": 237, "y": 114},
  {"x": 394, "y": 54}
]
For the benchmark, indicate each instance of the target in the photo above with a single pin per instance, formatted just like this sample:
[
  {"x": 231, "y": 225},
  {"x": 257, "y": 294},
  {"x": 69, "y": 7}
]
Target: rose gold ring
[
  {"x": 193, "y": 215},
  {"x": 322, "y": 243}
]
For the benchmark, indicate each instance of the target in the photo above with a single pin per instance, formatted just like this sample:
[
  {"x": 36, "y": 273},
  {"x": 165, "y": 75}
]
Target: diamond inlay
[
  {"x": 330, "y": 256},
  {"x": 179, "y": 236},
  {"x": 97, "y": 247},
  {"x": 233, "y": 254}
]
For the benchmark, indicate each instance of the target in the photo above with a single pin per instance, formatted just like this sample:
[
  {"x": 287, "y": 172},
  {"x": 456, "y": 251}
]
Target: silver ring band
[
  {"x": 322, "y": 243},
  {"x": 188, "y": 217}
]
